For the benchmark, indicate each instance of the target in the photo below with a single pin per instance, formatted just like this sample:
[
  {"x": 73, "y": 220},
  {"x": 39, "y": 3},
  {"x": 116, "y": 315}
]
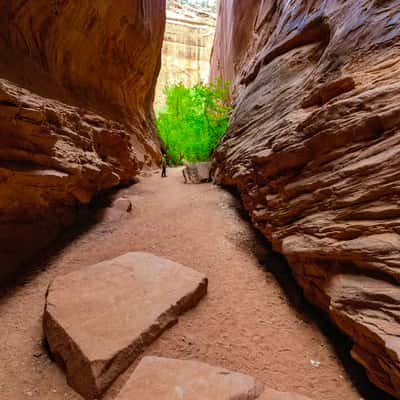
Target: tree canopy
[{"x": 193, "y": 120}]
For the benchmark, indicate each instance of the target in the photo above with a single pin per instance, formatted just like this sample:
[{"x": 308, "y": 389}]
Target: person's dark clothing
[{"x": 164, "y": 167}]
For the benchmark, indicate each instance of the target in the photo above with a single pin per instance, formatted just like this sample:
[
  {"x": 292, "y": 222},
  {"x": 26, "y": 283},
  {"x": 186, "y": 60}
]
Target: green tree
[{"x": 193, "y": 120}]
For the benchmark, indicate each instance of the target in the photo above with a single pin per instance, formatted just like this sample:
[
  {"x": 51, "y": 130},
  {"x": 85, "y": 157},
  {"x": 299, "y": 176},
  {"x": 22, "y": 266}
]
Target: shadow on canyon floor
[
  {"x": 88, "y": 217},
  {"x": 277, "y": 265}
]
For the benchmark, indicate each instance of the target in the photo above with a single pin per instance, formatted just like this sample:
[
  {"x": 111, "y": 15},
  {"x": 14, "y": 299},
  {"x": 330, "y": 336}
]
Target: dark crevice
[
  {"x": 87, "y": 217},
  {"x": 8, "y": 103},
  {"x": 316, "y": 31}
]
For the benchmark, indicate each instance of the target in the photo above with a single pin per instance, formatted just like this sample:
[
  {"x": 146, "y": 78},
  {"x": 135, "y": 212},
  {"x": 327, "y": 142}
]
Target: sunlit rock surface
[
  {"x": 189, "y": 34},
  {"x": 99, "y": 320},
  {"x": 168, "y": 379},
  {"x": 77, "y": 82},
  {"x": 314, "y": 149}
]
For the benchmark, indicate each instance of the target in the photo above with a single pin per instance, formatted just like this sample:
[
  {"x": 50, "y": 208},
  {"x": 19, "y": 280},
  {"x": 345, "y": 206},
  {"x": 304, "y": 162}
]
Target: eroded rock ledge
[
  {"x": 77, "y": 83},
  {"x": 313, "y": 147}
]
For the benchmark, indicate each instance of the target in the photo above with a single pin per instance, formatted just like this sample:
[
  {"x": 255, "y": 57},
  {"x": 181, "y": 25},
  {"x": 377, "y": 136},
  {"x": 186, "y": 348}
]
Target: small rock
[
  {"x": 123, "y": 204},
  {"x": 315, "y": 363},
  {"x": 179, "y": 392},
  {"x": 117, "y": 210}
]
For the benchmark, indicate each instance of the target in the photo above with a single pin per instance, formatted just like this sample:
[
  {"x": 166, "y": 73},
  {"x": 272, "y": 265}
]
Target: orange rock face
[
  {"x": 189, "y": 33},
  {"x": 77, "y": 84},
  {"x": 313, "y": 147}
]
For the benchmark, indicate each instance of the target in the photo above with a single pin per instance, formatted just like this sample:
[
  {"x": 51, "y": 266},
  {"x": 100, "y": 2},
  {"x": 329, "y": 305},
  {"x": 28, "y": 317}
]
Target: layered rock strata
[
  {"x": 77, "y": 83},
  {"x": 189, "y": 34},
  {"x": 313, "y": 147}
]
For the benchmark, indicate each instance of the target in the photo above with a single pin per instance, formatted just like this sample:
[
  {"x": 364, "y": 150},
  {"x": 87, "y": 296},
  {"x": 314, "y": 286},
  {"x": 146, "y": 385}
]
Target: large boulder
[
  {"x": 313, "y": 147},
  {"x": 199, "y": 172},
  {"x": 167, "y": 379},
  {"x": 76, "y": 88},
  {"x": 98, "y": 320}
]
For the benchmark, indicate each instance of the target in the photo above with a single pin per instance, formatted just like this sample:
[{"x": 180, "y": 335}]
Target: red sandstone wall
[
  {"x": 314, "y": 149},
  {"x": 77, "y": 81}
]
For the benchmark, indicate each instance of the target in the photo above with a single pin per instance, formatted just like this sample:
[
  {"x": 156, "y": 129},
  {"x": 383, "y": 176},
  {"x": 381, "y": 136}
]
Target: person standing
[
  {"x": 185, "y": 170},
  {"x": 164, "y": 166}
]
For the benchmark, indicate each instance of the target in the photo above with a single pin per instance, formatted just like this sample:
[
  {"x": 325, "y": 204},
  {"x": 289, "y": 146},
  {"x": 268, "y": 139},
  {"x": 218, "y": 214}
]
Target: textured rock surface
[
  {"x": 274, "y": 395},
  {"x": 197, "y": 172},
  {"x": 313, "y": 147},
  {"x": 117, "y": 210},
  {"x": 189, "y": 34},
  {"x": 53, "y": 158},
  {"x": 102, "y": 55},
  {"x": 76, "y": 90},
  {"x": 98, "y": 320},
  {"x": 167, "y": 379}
]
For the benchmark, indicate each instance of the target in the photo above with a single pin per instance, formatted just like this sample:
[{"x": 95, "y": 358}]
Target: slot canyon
[{"x": 277, "y": 280}]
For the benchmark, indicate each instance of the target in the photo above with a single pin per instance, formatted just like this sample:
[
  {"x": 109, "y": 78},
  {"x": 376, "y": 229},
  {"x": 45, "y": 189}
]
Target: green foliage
[{"x": 193, "y": 120}]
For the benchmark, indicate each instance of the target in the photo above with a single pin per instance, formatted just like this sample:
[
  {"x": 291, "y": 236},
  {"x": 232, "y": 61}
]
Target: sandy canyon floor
[{"x": 253, "y": 320}]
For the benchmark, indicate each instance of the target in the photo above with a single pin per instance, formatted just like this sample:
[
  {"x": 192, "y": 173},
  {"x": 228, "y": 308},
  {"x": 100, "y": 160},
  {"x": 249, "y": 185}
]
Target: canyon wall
[
  {"x": 314, "y": 149},
  {"x": 189, "y": 34},
  {"x": 77, "y": 83}
]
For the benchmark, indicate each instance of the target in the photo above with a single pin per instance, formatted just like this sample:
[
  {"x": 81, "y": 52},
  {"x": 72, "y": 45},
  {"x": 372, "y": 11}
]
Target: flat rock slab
[
  {"x": 167, "y": 379},
  {"x": 99, "y": 319},
  {"x": 269, "y": 394}
]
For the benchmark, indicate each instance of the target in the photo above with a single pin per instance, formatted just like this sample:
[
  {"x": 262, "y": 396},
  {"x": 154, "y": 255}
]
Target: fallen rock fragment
[
  {"x": 117, "y": 210},
  {"x": 123, "y": 204},
  {"x": 197, "y": 173},
  {"x": 168, "y": 379},
  {"x": 99, "y": 319}
]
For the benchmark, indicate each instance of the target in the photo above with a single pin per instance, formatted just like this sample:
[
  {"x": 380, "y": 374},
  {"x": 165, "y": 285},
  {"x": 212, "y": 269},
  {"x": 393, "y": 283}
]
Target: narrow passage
[{"x": 246, "y": 323}]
